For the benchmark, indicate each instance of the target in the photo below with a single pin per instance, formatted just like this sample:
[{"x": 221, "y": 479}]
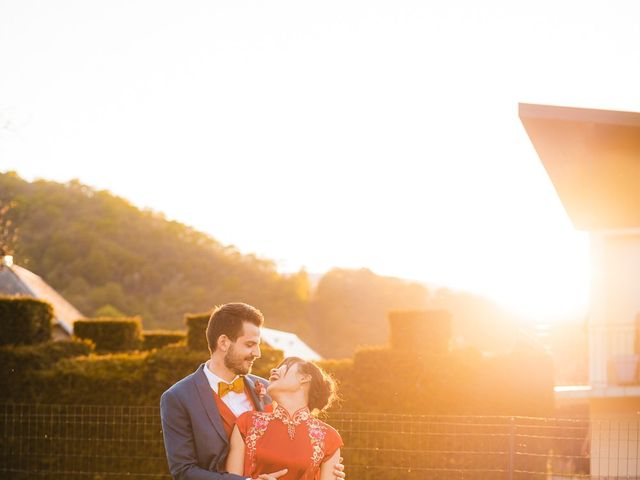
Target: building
[
  {"x": 16, "y": 280},
  {"x": 593, "y": 159},
  {"x": 289, "y": 343}
]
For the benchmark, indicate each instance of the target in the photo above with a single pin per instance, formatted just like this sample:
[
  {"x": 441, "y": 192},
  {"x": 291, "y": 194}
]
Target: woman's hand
[{"x": 273, "y": 476}]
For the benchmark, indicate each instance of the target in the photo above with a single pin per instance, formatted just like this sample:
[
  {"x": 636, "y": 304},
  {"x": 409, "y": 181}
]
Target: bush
[
  {"x": 161, "y": 338},
  {"x": 113, "y": 379},
  {"x": 19, "y": 362},
  {"x": 463, "y": 382},
  {"x": 110, "y": 334},
  {"x": 197, "y": 331},
  {"x": 24, "y": 321}
]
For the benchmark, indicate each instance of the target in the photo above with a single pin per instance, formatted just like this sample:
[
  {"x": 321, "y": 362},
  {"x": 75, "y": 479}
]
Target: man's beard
[{"x": 236, "y": 363}]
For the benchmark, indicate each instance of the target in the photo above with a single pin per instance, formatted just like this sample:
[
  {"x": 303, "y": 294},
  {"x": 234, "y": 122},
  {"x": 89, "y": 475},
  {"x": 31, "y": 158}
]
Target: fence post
[{"x": 512, "y": 446}]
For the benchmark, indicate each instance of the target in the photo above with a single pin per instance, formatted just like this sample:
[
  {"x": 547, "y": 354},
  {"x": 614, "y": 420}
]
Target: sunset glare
[{"x": 358, "y": 134}]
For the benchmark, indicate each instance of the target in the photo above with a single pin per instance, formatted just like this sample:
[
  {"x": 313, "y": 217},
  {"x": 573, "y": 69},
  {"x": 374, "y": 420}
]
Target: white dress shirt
[{"x": 238, "y": 403}]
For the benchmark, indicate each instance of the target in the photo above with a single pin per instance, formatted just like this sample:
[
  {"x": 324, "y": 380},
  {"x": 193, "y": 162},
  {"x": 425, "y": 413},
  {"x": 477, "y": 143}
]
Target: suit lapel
[
  {"x": 250, "y": 386},
  {"x": 208, "y": 402}
]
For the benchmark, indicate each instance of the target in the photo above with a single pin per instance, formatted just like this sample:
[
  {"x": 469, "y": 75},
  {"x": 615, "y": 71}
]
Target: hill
[
  {"x": 107, "y": 256},
  {"x": 102, "y": 253}
]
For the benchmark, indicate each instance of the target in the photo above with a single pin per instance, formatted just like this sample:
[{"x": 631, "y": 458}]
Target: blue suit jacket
[{"x": 194, "y": 437}]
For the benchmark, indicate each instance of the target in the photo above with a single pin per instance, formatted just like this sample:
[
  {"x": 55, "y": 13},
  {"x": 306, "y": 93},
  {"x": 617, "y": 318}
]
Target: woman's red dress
[{"x": 275, "y": 440}]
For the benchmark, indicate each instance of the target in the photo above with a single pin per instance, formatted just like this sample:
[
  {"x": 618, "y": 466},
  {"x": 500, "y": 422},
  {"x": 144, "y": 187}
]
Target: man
[{"x": 198, "y": 413}]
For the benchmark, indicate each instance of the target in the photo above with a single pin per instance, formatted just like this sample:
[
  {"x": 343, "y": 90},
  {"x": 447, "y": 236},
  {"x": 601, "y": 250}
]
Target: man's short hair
[{"x": 228, "y": 320}]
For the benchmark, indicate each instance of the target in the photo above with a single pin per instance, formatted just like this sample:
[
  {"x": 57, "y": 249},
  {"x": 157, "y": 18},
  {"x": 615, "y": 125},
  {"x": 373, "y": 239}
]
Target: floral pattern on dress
[
  {"x": 301, "y": 415},
  {"x": 317, "y": 432},
  {"x": 256, "y": 430},
  {"x": 260, "y": 423}
]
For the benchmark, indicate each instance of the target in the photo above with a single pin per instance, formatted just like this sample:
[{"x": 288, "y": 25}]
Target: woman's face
[{"x": 283, "y": 380}]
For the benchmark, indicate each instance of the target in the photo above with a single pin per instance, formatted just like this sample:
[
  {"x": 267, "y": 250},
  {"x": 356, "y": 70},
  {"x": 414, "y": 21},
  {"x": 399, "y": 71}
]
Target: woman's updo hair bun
[{"x": 322, "y": 388}]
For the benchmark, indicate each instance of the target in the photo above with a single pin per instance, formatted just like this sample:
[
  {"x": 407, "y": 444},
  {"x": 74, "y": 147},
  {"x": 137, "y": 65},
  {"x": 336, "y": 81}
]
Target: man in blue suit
[{"x": 198, "y": 412}]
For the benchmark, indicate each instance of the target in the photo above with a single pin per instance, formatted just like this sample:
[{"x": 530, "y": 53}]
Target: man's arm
[{"x": 179, "y": 443}]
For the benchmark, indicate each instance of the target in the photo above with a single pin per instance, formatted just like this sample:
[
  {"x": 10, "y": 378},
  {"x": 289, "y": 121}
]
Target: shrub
[
  {"x": 420, "y": 330},
  {"x": 196, "y": 331},
  {"x": 161, "y": 338},
  {"x": 167, "y": 365},
  {"x": 113, "y": 379},
  {"x": 19, "y": 362},
  {"x": 24, "y": 320},
  {"x": 462, "y": 382},
  {"x": 110, "y": 334}
]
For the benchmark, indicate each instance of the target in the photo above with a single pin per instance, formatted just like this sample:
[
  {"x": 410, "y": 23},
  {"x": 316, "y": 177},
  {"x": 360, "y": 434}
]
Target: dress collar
[{"x": 291, "y": 421}]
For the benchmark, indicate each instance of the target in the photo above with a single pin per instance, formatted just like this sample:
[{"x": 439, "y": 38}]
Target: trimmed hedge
[
  {"x": 196, "y": 331},
  {"x": 19, "y": 362},
  {"x": 161, "y": 338},
  {"x": 462, "y": 382},
  {"x": 420, "y": 330},
  {"x": 113, "y": 379},
  {"x": 24, "y": 321},
  {"x": 110, "y": 334}
]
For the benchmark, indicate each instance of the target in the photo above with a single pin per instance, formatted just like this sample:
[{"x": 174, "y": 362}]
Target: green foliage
[
  {"x": 19, "y": 362},
  {"x": 110, "y": 334},
  {"x": 56, "y": 374},
  {"x": 160, "y": 338},
  {"x": 108, "y": 311},
  {"x": 97, "y": 249},
  {"x": 478, "y": 322},
  {"x": 461, "y": 382},
  {"x": 24, "y": 320},
  {"x": 113, "y": 379},
  {"x": 197, "y": 331},
  {"x": 349, "y": 309},
  {"x": 420, "y": 330},
  {"x": 8, "y": 230}
]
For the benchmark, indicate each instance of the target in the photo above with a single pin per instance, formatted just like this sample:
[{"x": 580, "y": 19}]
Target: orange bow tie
[{"x": 236, "y": 386}]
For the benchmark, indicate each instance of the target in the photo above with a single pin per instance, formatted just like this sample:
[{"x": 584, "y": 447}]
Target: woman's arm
[
  {"x": 235, "y": 460},
  {"x": 327, "y": 468}
]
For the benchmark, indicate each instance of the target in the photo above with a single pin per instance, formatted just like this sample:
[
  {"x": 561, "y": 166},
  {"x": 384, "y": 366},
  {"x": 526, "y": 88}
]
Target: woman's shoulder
[
  {"x": 246, "y": 419},
  {"x": 329, "y": 431}
]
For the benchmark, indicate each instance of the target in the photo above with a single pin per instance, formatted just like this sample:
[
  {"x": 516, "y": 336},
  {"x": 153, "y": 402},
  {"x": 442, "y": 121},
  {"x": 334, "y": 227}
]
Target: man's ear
[{"x": 223, "y": 343}]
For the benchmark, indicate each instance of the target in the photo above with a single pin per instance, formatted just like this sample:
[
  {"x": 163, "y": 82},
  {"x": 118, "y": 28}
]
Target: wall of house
[
  {"x": 615, "y": 303},
  {"x": 615, "y": 437}
]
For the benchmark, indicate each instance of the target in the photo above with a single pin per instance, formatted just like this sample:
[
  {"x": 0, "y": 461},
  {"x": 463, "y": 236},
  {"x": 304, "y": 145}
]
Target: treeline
[
  {"x": 99, "y": 251},
  {"x": 109, "y": 258}
]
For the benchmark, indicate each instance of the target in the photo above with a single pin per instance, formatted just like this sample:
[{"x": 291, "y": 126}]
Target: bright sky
[{"x": 380, "y": 134}]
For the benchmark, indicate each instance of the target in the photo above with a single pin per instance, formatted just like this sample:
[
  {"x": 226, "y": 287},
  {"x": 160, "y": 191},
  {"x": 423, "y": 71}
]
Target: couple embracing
[{"x": 219, "y": 423}]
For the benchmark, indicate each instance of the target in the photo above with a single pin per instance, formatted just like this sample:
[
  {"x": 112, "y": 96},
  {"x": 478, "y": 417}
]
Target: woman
[{"x": 289, "y": 436}]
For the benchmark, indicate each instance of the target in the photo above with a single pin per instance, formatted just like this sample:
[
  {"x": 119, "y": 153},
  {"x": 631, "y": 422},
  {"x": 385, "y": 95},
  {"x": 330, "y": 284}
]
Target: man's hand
[
  {"x": 273, "y": 476},
  {"x": 338, "y": 470}
]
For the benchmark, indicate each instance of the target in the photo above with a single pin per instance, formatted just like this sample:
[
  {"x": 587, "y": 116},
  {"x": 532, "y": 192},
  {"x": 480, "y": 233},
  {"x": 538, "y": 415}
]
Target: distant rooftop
[
  {"x": 289, "y": 343},
  {"x": 15, "y": 280},
  {"x": 593, "y": 160}
]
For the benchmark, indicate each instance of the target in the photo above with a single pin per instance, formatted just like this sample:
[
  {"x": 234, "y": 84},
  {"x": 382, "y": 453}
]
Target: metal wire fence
[{"x": 83, "y": 442}]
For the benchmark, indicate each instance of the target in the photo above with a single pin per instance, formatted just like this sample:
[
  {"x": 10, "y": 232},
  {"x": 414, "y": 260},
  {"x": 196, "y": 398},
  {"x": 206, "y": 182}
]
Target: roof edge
[{"x": 574, "y": 114}]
